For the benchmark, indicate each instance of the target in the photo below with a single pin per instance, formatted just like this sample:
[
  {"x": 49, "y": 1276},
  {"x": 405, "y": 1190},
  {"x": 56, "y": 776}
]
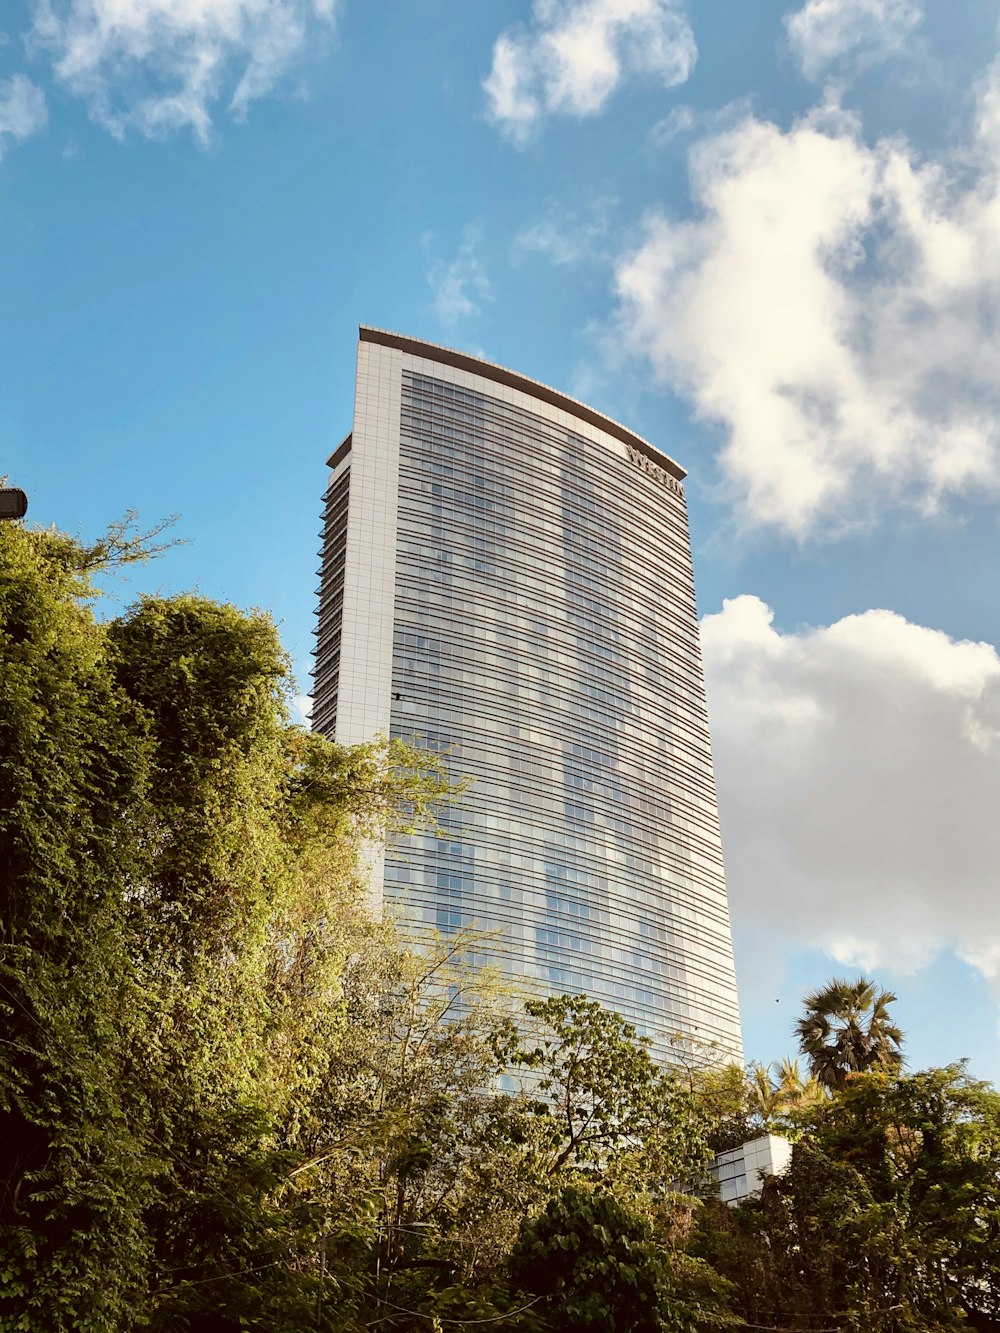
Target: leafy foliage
[
  {"x": 887, "y": 1218},
  {"x": 594, "y": 1264},
  {"x": 179, "y": 876},
  {"x": 847, "y": 1029},
  {"x": 606, "y": 1110},
  {"x": 231, "y": 1097}
]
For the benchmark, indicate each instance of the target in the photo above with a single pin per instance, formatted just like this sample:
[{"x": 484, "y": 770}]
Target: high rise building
[{"x": 507, "y": 577}]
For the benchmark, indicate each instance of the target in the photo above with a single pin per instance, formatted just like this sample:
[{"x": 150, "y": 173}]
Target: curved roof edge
[{"x": 462, "y": 361}]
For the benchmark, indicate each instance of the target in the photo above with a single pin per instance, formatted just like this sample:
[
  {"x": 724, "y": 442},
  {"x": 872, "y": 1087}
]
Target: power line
[{"x": 493, "y": 1319}]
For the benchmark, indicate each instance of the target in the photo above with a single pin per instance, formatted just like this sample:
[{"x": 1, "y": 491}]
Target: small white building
[{"x": 741, "y": 1171}]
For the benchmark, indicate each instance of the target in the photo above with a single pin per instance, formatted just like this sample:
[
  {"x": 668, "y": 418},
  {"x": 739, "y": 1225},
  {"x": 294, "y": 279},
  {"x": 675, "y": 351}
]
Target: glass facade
[
  {"x": 544, "y": 636},
  {"x": 330, "y": 619}
]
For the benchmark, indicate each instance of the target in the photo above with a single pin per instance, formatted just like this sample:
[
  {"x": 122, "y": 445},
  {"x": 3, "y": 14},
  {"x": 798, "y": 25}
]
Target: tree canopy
[
  {"x": 233, "y": 1098},
  {"x": 180, "y": 881},
  {"x": 887, "y": 1219},
  {"x": 847, "y": 1029}
]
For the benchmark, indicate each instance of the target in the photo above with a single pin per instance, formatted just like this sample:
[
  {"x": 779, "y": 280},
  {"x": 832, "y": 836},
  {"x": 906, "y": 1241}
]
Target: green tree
[
  {"x": 779, "y": 1092},
  {"x": 181, "y": 874},
  {"x": 412, "y": 1152},
  {"x": 593, "y": 1264},
  {"x": 427, "y": 1156},
  {"x": 74, "y": 761},
  {"x": 604, "y": 1108},
  {"x": 926, "y": 1149},
  {"x": 888, "y": 1219},
  {"x": 847, "y": 1029}
]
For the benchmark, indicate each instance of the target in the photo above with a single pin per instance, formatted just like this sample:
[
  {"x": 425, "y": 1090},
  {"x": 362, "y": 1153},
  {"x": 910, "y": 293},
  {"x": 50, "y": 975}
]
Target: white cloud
[
  {"x": 161, "y": 65},
  {"x": 859, "y": 782},
  {"x": 567, "y": 238},
  {"x": 680, "y": 121},
  {"x": 459, "y": 285},
  {"x": 826, "y": 32},
  {"x": 834, "y": 308},
  {"x": 574, "y": 54},
  {"x": 22, "y": 109},
  {"x": 303, "y": 705}
]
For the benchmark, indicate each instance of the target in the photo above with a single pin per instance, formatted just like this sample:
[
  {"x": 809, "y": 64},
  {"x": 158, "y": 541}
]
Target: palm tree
[
  {"x": 775, "y": 1097},
  {"x": 847, "y": 1029},
  {"x": 795, "y": 1091}
]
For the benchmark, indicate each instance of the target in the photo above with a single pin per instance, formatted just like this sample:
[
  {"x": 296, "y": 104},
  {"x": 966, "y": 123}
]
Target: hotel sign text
[{"x": 653, "y": 470}]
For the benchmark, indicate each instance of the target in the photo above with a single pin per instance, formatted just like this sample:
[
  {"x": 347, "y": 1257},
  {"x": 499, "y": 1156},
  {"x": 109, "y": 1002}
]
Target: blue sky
[{"x": 765, "y": 235}]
